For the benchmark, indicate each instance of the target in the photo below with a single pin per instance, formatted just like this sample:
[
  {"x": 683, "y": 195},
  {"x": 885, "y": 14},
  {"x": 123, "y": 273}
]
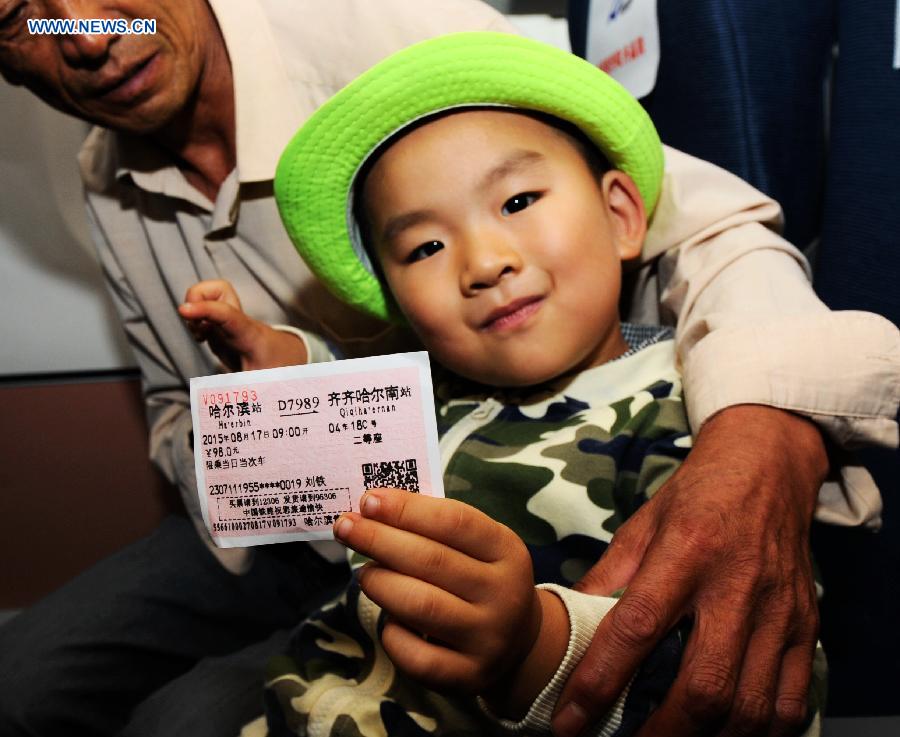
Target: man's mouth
[
  {"x": 513, "y": 314},
  {"x": 126, "y": 86}
]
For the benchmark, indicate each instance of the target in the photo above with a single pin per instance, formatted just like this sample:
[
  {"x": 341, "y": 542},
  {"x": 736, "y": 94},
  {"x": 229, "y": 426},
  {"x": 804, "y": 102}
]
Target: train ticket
[{"x": 282, "y": 453}]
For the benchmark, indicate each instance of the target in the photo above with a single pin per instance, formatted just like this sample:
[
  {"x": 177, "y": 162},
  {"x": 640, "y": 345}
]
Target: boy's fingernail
[
  {"x": 569, "y": 722},
  {"x": 369, "y": 505},
  {"x": 342, "y": 527}
]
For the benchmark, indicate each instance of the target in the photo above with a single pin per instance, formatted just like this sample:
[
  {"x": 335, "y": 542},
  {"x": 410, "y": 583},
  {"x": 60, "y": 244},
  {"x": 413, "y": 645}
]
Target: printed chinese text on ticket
[{"x": 281, "y": 453}]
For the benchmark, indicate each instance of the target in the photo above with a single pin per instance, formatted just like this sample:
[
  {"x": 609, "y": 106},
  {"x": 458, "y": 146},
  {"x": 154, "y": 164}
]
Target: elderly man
[{"x": 165, "y": 637}]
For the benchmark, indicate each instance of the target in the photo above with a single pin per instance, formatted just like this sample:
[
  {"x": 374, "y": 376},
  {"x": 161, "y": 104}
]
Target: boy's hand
[
  {"x": 213, "y": 313},
  {"x": 456, "y": 585}
]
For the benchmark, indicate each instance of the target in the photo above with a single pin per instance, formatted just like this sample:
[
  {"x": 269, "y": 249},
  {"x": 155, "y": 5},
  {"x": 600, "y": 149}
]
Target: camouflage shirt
[{"x": 562, "y": 464}]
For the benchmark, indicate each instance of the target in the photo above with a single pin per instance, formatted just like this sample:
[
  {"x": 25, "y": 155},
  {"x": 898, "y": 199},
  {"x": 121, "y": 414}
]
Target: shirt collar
[
  {"x": 267, "y": 113},
  {"x": 650, "y": 357}
]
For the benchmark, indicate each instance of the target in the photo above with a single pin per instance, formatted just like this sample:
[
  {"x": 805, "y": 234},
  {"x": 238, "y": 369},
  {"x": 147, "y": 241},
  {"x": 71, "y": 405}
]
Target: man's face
[
  {"x": 135, "y": 83},
  {"x": 501, "y": 246}
]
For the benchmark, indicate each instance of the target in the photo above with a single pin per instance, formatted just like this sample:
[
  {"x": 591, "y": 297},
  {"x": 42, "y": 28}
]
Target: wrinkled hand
[
  {"x": 725, "y": 542},
  {"x": 214, "y": 314},
  {"x": 456, "y": 585}
]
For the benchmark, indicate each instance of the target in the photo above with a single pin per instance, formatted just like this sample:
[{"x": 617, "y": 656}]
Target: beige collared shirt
[{"x": 749, "y": 328}]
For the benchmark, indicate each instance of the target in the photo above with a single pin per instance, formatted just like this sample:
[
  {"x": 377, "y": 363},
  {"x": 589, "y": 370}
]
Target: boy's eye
[
  {"x": 424, "y": 251},
  {"x": 519, "y": 202}
]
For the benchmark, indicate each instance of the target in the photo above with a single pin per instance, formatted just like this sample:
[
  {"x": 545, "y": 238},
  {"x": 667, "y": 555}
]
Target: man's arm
[
  {"x": 750, "y": 328},
  {"x": 726, "y": 540}
]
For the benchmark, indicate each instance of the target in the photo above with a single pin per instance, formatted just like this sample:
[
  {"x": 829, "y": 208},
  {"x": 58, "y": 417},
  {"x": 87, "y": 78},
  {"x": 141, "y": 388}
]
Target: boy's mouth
[{"x": 513, "y": 314}]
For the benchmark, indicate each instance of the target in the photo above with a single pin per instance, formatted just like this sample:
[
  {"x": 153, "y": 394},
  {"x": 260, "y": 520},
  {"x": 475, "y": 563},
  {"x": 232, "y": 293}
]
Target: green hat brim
[{"x": 317, "y": 170}]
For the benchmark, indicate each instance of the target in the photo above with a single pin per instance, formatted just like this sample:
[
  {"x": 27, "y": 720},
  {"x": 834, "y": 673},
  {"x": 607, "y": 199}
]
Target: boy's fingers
[
  {"x": 453, "y": 523},
  {"x": 430, "y": 663},
  {"x": 419, "y": 605},
  {"x": 413, "y": 555},
  {"x": 211, "y": 289},
  {"x": 229, "y": 320},
  {"x": 198, "y": 327}
]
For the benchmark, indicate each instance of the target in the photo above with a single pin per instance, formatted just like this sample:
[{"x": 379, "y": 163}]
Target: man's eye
[
  {"x": 11, "y": 14},
  {"x": 424, "y": 251},
  {"x": 519, "y": 202}
]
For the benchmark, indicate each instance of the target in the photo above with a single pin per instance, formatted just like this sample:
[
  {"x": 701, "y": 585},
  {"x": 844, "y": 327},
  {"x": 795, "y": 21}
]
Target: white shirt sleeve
[
  {"x": 750, "y": 329},
  {"x": 317, "y": 350},
  {"x": 585, "y": 613}
]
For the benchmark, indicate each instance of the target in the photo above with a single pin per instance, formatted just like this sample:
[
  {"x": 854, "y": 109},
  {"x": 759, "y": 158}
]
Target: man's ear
[{"x": 625, "y": 207}]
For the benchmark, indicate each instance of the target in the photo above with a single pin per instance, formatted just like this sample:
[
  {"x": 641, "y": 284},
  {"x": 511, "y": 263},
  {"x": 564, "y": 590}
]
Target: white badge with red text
[
  {"x": 623, "y": 40},
  {"x": 282, "y": 453}
]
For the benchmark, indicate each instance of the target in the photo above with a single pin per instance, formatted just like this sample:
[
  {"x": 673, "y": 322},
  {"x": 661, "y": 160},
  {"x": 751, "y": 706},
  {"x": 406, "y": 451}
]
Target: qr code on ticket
[{"x": 394, "y": 474}]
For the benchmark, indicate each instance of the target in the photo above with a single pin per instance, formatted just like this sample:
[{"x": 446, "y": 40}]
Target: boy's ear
[{"x": 626, "y": 212}]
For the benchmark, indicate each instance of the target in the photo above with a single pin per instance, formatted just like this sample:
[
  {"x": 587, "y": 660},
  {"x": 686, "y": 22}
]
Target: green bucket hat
[{"x": 315, "y": 179}]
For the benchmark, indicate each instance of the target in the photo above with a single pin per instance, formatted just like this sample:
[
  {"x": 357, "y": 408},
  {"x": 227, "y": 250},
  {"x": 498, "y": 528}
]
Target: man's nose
[
  {"x": 82, "y": 49},
  {"x": 489, "y": 257}
]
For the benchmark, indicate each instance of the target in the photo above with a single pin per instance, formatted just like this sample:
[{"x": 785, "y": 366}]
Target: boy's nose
[
  {"x": 488, "y": 260},
  {"x": 81, "y": 49}
]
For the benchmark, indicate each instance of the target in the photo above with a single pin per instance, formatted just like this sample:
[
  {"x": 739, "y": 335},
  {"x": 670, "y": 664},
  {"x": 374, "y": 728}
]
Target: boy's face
[{"x": 501, "y": 246}]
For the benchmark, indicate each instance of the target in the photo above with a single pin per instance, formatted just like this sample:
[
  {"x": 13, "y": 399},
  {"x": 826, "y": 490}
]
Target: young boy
[{"x": 485, "y": 189}]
